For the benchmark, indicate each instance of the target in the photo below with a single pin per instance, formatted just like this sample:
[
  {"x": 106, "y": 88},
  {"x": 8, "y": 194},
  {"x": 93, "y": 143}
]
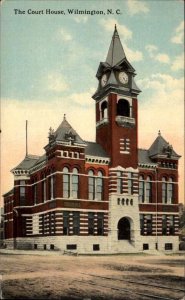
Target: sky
[{"x": 49, "y": 62}]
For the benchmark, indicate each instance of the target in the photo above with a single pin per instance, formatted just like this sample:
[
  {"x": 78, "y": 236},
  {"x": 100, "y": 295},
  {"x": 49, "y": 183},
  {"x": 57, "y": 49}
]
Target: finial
[
  {"x": 159, "y": 133},
  {"x": 115, "y": 27},
  {"x": 64, "y": 116}
]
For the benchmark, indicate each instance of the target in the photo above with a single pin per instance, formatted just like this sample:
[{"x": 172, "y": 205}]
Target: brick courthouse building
[{"x": 106, "y": 196}]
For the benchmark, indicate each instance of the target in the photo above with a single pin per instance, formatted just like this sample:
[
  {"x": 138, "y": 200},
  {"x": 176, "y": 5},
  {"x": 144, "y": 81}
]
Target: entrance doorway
[{"x": 124, "y": 229}]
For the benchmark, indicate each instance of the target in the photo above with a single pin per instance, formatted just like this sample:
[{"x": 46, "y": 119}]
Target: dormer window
[
  {"x": 70, "y": 137},
  {"x": 168, "y": 150}
]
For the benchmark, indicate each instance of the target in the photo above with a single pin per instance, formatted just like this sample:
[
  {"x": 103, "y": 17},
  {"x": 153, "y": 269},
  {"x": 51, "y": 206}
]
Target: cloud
[
  {"x": 151, "y": 49},
  {"x": 136, "y": 7},
  {"x": 162, "y": 57},
  {"x": 178, "y": 37},
  {"x": 81, "y": 19},
  {"x": 133, "y": 55},
  {"x": 164, "y": 111},
  {"x": 178, "y": 63},
  {"x": 64, "y": 35},
  {"x": 153, "y": 53},
  {"x": 83, "y": 99},
  {"x": 166, "y": 101},
  {"x": 122, "y": 29},
  {"x": 56, "y": 82}
]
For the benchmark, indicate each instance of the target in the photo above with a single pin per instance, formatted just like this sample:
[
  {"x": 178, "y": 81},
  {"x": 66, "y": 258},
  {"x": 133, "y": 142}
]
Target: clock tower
[{"x": 116, "y": 107}]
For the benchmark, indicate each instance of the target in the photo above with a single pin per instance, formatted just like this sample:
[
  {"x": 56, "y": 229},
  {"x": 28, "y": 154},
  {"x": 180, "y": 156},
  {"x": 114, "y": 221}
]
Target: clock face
[
  {"x": 123, "y": 77},
  {"x": 104, "y": 80}
]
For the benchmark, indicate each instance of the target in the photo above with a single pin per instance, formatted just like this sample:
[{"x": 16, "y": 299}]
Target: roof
[
  {"x": 27, "y": 162},
  {"x": 116, "y": 52},
  {"x": 143, "y": 157},
  {"x": 41, "y": 159},
  {"x": 65, "y": 133},
  {"x": 161, "y": 147},
  {"x": 95, "y": 149},
  {"x": 8, "y": 193}
]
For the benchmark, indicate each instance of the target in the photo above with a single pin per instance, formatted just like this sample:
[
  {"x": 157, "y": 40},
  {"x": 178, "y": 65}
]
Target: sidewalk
[{"x": 30, "y": 252}]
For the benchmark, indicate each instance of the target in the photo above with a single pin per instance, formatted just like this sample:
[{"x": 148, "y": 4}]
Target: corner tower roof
[
  {"x": 161, "y": 147},
  {"x": 116, "y": 52},
  {"x": 64, "y": 134}
]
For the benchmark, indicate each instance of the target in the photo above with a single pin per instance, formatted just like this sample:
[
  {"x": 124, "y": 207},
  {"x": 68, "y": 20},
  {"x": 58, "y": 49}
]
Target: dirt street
[{"x": 122, "y": 277}]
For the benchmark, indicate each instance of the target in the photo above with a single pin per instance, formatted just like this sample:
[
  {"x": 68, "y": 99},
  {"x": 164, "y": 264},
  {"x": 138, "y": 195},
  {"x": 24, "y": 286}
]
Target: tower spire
[{"x": 116, "y": 52}]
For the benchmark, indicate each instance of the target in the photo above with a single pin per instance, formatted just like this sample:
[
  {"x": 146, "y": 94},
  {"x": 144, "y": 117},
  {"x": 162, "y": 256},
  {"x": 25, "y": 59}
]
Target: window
[
  {"x": 96, "y": 247},
  {"x": 52, "y": 247},
  {"x": 104, "y": 110},
  {"x": 142, "y": 224},
  {"x": 65, "y": 223},
  {"x": 22, "y": 192},
  {"x": 100, "y": 223},
  {"x": 75, "y": 183},
  {"x": 141, "y": 189},
  {"x": 119, "y": 183},
  {"x": 148, "y": 196},
  {"x": 130, "y": 183},
  {"x": 164, "y": 190},
  {"x": 99, "y": 186},
  {"x": 171, "y": 224},
  {"x": 66, "y": 183},
  {"x": 168, "y": 246},
  {"x": 148, "y": 219},
  {"x": 35, "y": 193},
  {"x": 43, "y": 228},
  {"x": 44, "y": 189},
  {"x": 95, "y": 186},
  {"x": 91, "y": 223},
  {"x": 167, "y": 190},
  {"x": 164, "y": 224},
  {"x": 70, "y": 183},
  {"x": 76, "y": 222},
  {"x": 170, "y": 191},
  {"x": 145, "y": 189},
  {"x": 146, "y": 224},
  {"x": 145, "y": 247},
  {"x": 91, "y": 184},
  {"x": 123, "y": 108},
  {"x": 71, "y": 247},
  {"x": 52, "y": 223},
  {"x": 51, "y": 187}
]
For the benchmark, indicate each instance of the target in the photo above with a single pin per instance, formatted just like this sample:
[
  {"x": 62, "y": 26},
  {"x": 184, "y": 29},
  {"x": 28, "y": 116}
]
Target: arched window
[
  {"x": 145, "y": 189},
  {"x": 104, "y": 110},
  {"x": 66, "y": 183},
  {"x": 95, "y": 186},
  {"x": 99, "y": 186},
  {"x": 170, "y": 191},
  {"x": 123, "y": 108},
  {"x": 75, "y": 183},
  {"x": 141, "y": 189},
  {"x": 148, "y": 197},
  {"x": 164, "y": 190},
  {"x": 91, "y": 185}
]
